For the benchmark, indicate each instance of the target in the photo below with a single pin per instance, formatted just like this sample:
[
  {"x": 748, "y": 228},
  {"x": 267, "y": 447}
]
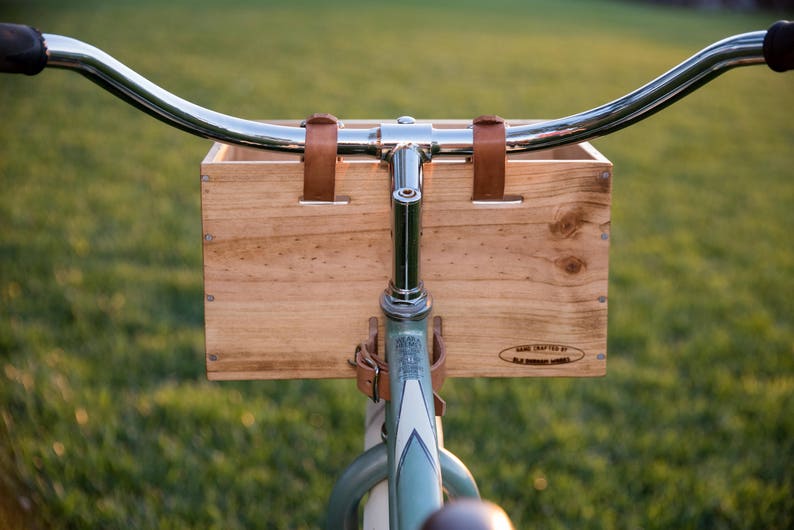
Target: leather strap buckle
[{"x": 375, "y": 380}]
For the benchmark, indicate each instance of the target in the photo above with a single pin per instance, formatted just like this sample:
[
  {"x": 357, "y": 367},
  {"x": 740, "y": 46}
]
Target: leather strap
[
  {"x": 372, "y": 372},
  {"x": 489, "y": 158},
  {"x": 319, "y": 158}
]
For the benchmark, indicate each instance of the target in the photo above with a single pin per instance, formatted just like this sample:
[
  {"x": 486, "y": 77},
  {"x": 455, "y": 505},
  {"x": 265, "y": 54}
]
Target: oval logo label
[{"x": 541, "y": 354}]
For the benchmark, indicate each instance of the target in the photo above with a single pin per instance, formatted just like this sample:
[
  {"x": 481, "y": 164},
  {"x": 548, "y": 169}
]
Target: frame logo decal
[{"x": 541, "y": 354}]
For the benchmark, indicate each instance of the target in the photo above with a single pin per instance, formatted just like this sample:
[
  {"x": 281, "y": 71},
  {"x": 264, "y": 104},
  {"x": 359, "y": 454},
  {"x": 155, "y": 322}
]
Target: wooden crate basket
[{"x": 521, "y": 288}]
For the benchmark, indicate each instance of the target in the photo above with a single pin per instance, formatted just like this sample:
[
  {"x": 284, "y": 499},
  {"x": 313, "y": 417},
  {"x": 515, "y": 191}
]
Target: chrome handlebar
[{"x": 98, "y": 66}]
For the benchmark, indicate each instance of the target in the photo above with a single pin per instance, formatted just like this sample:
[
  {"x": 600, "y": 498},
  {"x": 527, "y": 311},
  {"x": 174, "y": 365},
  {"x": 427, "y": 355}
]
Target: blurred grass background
[{"x": 107, "y": 420}]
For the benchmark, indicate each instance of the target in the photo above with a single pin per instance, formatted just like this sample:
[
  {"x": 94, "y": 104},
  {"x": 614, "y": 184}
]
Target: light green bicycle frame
[{"x": 415, "y": 489}]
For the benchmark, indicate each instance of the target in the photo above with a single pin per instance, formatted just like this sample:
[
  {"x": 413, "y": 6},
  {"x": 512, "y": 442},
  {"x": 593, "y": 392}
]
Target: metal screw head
[
  {"x": 213, "y": 357},
  {"x": 205, "y": 178},
  {"x": 210, "y": 298},
  {"x": 208, "y": 237},
  {"x": 406, "y": 120},
  {"x": 605, "y": 175}
]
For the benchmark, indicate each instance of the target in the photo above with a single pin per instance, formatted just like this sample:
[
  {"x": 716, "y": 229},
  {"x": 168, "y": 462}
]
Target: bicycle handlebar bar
[{"x": 25, "y": 50}]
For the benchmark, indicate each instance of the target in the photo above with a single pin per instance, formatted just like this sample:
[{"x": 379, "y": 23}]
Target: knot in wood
[
  {"x": 571, "y": 264},
  {"x": 568, "y": 224}
]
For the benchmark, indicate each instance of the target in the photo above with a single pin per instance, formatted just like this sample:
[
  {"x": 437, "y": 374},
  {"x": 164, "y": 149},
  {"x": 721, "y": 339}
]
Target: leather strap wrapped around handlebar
[
  {"x": 372, "y": 373},
  {"x": 319, "y": 159},
  {"x": 489, "y": 158}
]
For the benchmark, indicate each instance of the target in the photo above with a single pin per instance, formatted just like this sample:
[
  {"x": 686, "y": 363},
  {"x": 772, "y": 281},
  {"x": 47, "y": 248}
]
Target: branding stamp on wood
[{"x": 541, "y": 354}]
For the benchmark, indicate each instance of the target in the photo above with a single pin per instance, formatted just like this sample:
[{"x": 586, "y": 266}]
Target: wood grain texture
[{"x": 522, "y": 288}]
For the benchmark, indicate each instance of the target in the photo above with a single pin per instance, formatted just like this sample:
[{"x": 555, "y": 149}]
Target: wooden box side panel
[
  {"x": 522, "y": 289},
  {"x": 289, "y": 287}
]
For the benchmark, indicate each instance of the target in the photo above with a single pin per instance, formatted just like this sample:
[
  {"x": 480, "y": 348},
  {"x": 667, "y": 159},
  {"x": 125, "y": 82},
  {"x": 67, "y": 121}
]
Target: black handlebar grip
[
  {"x": 22, "y": 50},
  {"x": 779, "y": 46}
]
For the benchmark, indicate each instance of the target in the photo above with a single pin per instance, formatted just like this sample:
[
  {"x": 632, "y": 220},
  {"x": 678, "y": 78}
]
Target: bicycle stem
[{"x": 406, "y": 298}]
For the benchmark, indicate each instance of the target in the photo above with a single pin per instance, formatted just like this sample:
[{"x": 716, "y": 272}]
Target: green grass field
[{"x": 107, "y": 419}]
